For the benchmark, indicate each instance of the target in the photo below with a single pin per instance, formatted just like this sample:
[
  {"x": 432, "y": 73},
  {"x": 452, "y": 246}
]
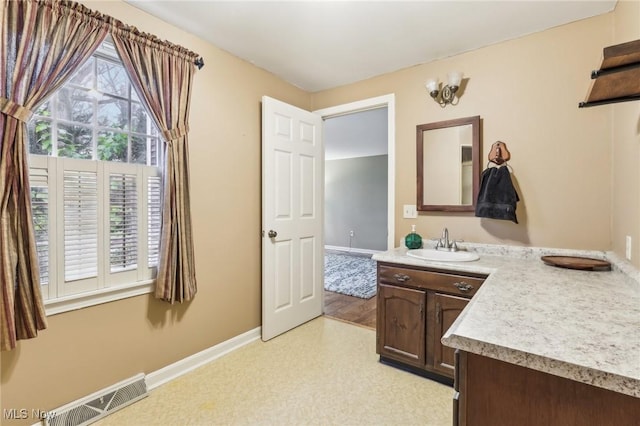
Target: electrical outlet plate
[{"x": 409, "y": 211}]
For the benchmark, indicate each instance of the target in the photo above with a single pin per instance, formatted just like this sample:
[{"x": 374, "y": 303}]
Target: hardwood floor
[{"x": 350, "y": 309}]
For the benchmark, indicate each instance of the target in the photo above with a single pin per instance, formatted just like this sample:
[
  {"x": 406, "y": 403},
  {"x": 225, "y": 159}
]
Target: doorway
[
  {"x": 359, "y": 141},
  {"x": 388, "y": 102}
]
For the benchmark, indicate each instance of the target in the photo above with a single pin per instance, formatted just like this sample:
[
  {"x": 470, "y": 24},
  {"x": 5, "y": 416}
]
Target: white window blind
[
  {"x": 108, "y": 224},
  {"x": 39, "y": 181},
  {"x": 123, "y": 220},
  {"x": 154, "y": 218},
  {"x": 80, "y": 225}
]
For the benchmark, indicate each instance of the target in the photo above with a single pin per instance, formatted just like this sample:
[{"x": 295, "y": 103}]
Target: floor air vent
[{"x": 102, "y": 403}]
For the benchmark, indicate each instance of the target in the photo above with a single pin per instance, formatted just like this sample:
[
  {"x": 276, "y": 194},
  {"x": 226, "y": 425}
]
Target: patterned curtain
[
  {"x": 162, "y": 74},
  {"x": 42, "y": 44}
]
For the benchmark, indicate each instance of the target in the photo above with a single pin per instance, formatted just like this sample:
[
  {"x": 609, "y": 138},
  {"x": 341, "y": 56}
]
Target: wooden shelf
[{"x": 618, "y": 79}]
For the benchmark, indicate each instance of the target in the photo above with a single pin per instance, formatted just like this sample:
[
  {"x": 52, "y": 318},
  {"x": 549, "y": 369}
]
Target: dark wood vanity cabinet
[
  {"x": 415, "y": 308},
  {"x": 498, "y": 393}
]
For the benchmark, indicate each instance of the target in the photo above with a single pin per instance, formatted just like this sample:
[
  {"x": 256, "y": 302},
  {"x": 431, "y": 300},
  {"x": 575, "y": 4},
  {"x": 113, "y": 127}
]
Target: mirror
[{"x": 448, "y": 165}]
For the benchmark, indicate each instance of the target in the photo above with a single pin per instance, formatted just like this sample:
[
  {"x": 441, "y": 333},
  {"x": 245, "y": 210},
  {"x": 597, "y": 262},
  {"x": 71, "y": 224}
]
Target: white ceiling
[{"x": 317, "y": 45}]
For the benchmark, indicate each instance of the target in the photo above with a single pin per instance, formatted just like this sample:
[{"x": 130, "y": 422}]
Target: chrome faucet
[
  {"x": 444, "y": 243},
  {"x": 445, "y": 238}
]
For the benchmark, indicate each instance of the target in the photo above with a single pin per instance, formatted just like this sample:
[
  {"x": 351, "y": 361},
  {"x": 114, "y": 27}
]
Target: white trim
[
  {"x": 84, "y": 300},
  {"x": 363, "y": 105},
  {"x": 190, "y": 363},
  {"x": 351, "y": 249}
]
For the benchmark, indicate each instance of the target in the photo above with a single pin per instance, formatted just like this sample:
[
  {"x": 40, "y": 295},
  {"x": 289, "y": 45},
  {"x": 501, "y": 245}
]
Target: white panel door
[{"x": 292, "y": 215}]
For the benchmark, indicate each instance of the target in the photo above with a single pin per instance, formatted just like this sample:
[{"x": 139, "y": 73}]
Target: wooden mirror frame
[{"x": 475, "y": 159}]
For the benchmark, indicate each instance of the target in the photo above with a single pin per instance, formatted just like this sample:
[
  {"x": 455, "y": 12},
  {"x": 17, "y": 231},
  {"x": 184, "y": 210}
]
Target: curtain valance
[{"x": 118, "y": 27}]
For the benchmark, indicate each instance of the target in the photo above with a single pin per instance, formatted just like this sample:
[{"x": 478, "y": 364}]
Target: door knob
[{"x": 272, "y": 234}]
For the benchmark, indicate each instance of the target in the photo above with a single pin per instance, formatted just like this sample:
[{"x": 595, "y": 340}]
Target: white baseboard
[
  {"x": 179, "y": 368},
  {"x": 351, "y": 249}
]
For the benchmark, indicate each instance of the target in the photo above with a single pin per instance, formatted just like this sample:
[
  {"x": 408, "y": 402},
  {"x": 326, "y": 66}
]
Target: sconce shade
[
  {"x": 454, "y": 78},
  {"x": 432, "y": 85}
]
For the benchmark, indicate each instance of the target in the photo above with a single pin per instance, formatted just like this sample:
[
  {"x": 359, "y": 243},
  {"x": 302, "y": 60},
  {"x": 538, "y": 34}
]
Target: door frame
[{"x": 388, "y": 101}]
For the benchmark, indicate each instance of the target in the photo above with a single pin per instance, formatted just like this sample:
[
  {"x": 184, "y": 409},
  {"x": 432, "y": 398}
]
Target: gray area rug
[{"x": 353, "y": 275}]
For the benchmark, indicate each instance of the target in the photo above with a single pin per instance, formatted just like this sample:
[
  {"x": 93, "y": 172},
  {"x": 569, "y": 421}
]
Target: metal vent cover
[{"x": 100, "y": 404}]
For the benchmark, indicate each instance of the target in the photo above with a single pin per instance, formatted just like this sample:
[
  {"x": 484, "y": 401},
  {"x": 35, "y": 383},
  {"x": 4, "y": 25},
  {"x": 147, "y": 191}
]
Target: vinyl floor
[{"x": 325, "y": 372}]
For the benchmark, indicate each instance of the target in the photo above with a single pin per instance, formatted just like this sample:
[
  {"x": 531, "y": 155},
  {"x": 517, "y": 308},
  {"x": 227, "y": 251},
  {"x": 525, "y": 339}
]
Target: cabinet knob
[
  {"x": 401, "y": 277},
  {"x": 463, "y": 286}
]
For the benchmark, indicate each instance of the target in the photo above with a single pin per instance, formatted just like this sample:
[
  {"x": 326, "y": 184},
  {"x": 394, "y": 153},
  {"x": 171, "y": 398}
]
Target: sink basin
[{"x": 443, "y": 256}]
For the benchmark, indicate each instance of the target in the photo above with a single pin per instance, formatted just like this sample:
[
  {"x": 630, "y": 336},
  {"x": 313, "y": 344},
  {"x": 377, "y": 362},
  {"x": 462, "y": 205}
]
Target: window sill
[{"x": 84, "y": 300}]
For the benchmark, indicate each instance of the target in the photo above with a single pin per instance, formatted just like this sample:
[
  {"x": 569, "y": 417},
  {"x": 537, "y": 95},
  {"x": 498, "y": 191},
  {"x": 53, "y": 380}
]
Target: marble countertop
[{"x": 580, "y": 325}]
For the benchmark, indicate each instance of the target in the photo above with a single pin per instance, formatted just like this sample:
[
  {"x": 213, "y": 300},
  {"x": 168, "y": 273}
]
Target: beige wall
[
  {"x": 526, "y": 92},
  {"x": 96, "y": 347},
  {"x": 626, "y": 147}
]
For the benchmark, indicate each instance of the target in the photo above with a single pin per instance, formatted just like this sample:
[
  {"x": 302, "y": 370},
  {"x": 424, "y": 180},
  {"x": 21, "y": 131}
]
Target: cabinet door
[
  {"x": 447, "y": 310},
  {"x": 401, "y": 324}
]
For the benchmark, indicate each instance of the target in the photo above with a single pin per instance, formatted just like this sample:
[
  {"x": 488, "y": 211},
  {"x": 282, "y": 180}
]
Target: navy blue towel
[{"x": 497, "y": 197}]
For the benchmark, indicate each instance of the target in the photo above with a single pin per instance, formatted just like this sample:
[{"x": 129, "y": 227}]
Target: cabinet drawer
[{"x": 445, "y": 282}]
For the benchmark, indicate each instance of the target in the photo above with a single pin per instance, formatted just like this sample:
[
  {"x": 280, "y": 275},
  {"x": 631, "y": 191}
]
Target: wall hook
[{"x": 499, "y": 153}]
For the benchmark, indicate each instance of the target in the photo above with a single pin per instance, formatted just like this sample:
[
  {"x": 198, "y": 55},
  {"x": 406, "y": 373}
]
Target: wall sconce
[{"x": 448, "y": 93}]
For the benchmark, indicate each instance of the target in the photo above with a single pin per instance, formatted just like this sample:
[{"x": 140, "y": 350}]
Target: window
[{"x": 95, "y": 187}]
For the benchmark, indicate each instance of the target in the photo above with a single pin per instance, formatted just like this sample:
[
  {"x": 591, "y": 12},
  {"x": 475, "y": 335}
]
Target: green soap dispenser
[{"x": 413, "y": 240}]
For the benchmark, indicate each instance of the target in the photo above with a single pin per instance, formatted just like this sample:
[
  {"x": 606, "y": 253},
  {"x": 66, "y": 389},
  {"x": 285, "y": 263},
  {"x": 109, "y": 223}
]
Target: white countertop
[{"x": 580, "y": 325}]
